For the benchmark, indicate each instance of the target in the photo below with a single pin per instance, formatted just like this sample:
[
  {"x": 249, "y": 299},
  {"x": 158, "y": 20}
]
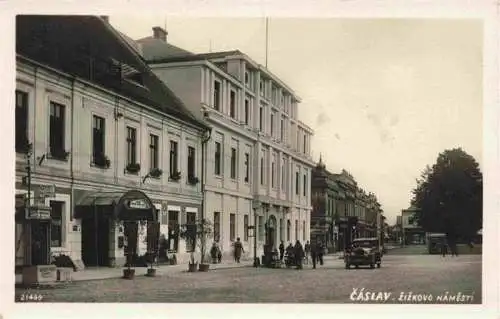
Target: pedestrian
[
  {"x": 214, "y": 251},
  {"x": 443, "y": 247},
  {"x": 307, "y": 251},
  {"x": 219, "y": 254},
  {"x": 282, "y": 250},
  {"x": 314, "y": 254},
  {"x": 320, "y": 252},
  {"x": 298, "y": 254},
  {"x": 238, "y": 249},
  {"x": 289, "y": 254}
]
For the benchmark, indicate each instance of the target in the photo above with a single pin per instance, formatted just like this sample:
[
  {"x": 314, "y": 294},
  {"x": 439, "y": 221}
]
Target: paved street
[{"x": 420, "y": 276}]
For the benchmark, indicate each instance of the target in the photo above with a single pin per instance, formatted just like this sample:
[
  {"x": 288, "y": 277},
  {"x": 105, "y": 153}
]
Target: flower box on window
[
  {"x": 133, "y": 168},
  {"x": 102, "y": 161},
  {"x": 156, "y": 173},
  {"x": 59, "y": 154},
  {"x": 193, "y": 180},
  {"x": 175, "y": 176}
]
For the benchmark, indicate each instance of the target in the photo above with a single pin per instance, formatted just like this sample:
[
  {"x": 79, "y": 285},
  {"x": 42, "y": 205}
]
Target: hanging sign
[{"x": 138, "y": 204}]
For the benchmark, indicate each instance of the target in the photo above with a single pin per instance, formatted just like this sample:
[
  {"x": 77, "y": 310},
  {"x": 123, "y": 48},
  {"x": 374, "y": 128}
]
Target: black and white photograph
[{"x": 163, "y": 157}]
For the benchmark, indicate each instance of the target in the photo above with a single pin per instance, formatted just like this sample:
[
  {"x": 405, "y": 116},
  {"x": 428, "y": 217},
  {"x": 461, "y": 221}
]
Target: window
[
  {"x": 247, "y": 167},
  {"x": 57, "y": 130},
  {"x": 272, "y": 124},
  {"x": 245, "y": 227},
  {"x": 173, "y": 224},
  {"x": 305, "y": 141},
  {"x": 261, "y": 228},
  {"x": 232, "y": 104},
  {"x": 272, "y": 173},
  {"x": 190, "y": 220},
  {"x": 282, "y": 230},
  {"x": 191, "y": 162},
  {"x": 247, "y": 111},
  {"x": 98, "y": 139},
  {"x": 56, "y": 214},
  {"x": 296, "y": 230},
  {"x": 261, "y": 87},
  {"x": 131, "y": 145},
  {"x": 262, "y": 171},
  {"x": 173, "y": 158},
  {"x": 288, "y": 230},
  {"x": 304, "y": 185},
  {"x": 232, "y": 227},
  {"x": 217, "y": 94},
  {"x": 261, "y": 118},
  {"x": 233, "y": 163},
  {"x": 283, "y": 174},
  {"x": 247, "y": 78},
  {"x": 303, "y": 230},
  {"x": 296, "y": 183},
  {"x": 21, "y": 121},
  {"x": 282, "y": 129},
  {"x": 217, "y": 168},
  {"x": 216, "y": 226},
  {"x": 153, "y": 151}
]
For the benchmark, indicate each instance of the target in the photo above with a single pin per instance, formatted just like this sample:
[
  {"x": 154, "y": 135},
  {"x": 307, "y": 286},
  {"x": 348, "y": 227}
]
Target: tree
[
  {"x": 198, "y": 234},
  {"x": 449, "y": 196}
]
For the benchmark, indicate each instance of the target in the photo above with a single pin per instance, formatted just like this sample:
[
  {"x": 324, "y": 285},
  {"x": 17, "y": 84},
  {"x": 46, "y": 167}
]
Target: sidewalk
[{"x": 109, "y": 273}]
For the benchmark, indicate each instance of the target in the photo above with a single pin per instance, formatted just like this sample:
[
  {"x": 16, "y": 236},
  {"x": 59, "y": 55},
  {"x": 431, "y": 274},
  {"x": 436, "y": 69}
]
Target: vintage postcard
[{"x": 271, "y": 158}]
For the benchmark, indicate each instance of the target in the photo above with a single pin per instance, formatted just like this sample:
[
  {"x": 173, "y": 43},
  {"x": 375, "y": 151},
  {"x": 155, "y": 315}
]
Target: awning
[{"x": 130, "y": 205}]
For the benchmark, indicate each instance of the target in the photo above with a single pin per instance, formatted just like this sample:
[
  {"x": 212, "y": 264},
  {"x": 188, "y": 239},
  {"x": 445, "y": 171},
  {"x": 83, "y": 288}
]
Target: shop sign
[
  {"x": 138, "y": 204},
  {"x": 38, "y": 212},
  {"x": 46, "y": 191}
]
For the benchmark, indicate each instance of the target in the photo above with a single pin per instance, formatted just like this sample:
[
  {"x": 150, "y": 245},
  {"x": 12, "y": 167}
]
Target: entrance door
[
  {"x": 40, "y": 250},
  {"x": 95, "y": 240}
]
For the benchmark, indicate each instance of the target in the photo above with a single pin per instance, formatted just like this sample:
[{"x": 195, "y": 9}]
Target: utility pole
[{"x": 267, "y": 39}]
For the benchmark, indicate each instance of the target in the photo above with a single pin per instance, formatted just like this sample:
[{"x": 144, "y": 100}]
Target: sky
[{"x": 383, "y": 96}]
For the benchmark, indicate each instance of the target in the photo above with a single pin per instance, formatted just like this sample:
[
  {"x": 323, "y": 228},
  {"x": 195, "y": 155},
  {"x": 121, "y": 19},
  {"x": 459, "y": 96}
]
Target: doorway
[{"x": 96, "y": 231}]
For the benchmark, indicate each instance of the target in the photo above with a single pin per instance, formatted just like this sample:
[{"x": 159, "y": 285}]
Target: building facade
[
  {"x": 258, "y": 158},
  {"x": 412, "y": 233},
  {"x": 335, "y": 199},
  {"x": 93, "y": 123}
]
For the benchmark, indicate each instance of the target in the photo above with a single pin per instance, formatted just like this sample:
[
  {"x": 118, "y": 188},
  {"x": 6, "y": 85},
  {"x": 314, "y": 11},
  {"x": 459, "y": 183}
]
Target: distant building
[
  {"x": 412, "y": 233},
  {"x": 335, "y": 198},
  {"x": 258, "y": 158}
]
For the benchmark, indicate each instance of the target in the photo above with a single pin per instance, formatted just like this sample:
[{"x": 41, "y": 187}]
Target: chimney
[
  {"x": 105, "y": 18},
  {"x": 160, "y": 33}
]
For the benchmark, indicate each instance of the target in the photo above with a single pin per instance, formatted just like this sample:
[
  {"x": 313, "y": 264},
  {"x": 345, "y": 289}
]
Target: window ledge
[
  {"x": 102, "y": 167},
  {"x": 219, "y": 176},
  {"x": 57, "y": 158}
]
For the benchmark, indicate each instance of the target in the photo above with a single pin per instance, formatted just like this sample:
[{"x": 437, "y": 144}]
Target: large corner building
[{"x": 258, "y": 157}]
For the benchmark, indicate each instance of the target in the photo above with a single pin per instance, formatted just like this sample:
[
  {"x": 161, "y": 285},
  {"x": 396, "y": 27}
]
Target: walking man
[
  {"x": 299, "y": 254},
  {"x": 238, "y": 249},
  {"x": 282, "y": 251},
  {"x": 320, "y": 251},
  {"x": 314, "y": 255},
  {"x": 307, "y": 251}
]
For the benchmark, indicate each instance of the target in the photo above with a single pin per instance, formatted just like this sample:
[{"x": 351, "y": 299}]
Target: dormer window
[{"x": 129, "y": 73}]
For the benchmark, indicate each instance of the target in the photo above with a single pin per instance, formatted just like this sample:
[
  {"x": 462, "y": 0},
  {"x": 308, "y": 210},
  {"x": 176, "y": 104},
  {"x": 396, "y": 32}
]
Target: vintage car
[{"x": 364, "y": 251}]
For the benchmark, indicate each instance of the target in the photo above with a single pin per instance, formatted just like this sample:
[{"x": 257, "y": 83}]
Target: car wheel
[
  {"x": 372, "y": 266},
  {"x": 378, "y": 265}
]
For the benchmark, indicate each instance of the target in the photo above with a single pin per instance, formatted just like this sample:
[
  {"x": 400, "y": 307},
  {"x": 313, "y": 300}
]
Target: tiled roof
[{"x": 85, "y": 47}]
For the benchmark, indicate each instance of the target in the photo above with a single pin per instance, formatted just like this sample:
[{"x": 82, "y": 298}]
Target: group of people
[
  {"x": 298, "y": 253},
  {"x": 216, "y": 252}
]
